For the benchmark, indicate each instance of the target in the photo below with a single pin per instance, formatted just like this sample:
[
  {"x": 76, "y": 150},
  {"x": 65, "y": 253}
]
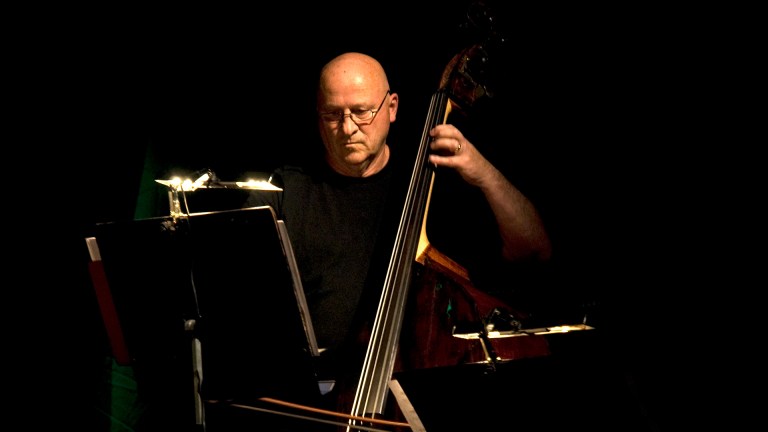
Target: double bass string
[{"x": 381, "y": 353}]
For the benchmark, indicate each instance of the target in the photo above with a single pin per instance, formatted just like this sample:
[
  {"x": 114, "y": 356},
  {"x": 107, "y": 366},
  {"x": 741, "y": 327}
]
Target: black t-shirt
[{"x": 336, "y": 225}]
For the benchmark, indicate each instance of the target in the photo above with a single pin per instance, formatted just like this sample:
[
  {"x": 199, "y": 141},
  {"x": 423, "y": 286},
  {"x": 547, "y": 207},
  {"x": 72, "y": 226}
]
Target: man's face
[{"x": 354, "y": 123}]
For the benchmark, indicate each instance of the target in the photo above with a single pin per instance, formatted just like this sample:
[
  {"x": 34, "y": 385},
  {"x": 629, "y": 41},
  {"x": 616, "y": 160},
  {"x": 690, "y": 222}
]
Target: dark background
[{"x": 601, "y": 104}]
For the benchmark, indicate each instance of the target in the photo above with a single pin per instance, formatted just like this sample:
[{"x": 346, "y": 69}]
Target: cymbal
[{"x": 526, "y": 332}]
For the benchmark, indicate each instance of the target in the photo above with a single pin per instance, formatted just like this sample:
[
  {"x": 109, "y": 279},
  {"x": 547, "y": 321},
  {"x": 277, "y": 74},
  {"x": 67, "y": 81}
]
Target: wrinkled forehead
[
  {"x": 352, "y": 96},
  {"x": 344, "y": 82}
]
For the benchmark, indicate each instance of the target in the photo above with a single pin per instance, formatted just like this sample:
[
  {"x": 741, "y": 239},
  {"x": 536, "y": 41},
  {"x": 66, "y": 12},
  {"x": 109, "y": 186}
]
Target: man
[{"x": 342, "y": 214}]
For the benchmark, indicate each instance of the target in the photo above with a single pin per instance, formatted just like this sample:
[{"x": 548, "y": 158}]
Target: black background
[{"x": 602, "y": 103}]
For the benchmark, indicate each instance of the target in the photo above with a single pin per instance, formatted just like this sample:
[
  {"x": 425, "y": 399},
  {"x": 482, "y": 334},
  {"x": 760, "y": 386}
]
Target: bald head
[
  {"x": 355, "y": 84},
  {"x": 352, "y": 72}
]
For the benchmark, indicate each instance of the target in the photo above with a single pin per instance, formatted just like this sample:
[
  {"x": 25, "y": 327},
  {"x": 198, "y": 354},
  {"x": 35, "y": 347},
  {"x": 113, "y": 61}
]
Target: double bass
[{"x": 410, "y": 329}]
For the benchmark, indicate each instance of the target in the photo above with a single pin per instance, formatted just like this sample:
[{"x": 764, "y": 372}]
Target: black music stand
[{"x": 207, "y": 310}]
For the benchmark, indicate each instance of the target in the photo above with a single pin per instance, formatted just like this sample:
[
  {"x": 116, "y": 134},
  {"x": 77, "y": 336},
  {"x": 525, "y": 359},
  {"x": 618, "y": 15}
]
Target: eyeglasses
[{"x": 361, "y": 117}]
